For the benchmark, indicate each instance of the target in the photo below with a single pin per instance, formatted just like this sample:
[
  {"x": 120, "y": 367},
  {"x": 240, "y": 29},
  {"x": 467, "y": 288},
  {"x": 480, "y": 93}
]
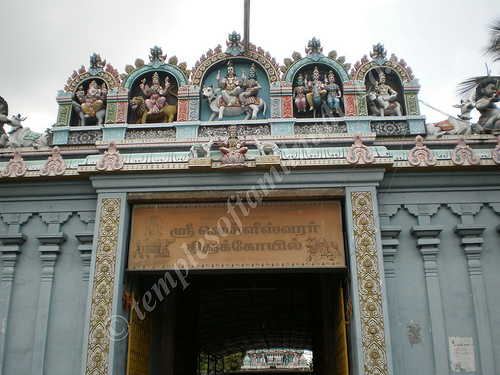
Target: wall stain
[{"x": 414, "y": 334}]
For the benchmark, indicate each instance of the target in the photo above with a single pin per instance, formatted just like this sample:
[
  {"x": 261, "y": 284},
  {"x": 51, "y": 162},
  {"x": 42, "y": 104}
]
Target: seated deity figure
[
  {"x": 333, "y": 93},
  {"x": 93, "y": 100},
  {"x": 299, "y": 94},
  {"x": 230, "y": 86},
  {"x": 314, "y": 86},
  {"x": 385, "y": 93},
  {"x": 233, "y": 149},
  {"x": 486, "y": 96},
  {"x": 155, "y": 94},
  {"x": 251, "y": 87}
]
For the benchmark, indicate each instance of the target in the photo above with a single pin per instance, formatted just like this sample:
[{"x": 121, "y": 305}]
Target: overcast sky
[{"x": 44, "y": 41}]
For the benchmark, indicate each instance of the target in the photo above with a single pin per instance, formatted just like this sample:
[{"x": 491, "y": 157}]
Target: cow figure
[
  {"x": 24, "y": 137},
  {"x": 459, "y": 125}
]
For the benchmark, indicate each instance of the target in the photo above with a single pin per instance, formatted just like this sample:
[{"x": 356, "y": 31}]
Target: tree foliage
[
  {"x": 231, "y": 362},
  {"x": 492, "y": 49}
]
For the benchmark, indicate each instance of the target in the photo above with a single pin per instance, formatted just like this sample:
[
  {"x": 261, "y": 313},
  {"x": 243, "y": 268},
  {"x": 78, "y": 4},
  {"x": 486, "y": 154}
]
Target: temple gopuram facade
[
  {"x": 246, "y": 205},
  {"x": 275, "y": 359}
]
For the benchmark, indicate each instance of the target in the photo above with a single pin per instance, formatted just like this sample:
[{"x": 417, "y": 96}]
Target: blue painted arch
[
  {"x": 221, "y": 59},
  {"x": 173, "y": 70},
  {"x": 239, "y": 63},
  {"x": 298, "y": 65}
]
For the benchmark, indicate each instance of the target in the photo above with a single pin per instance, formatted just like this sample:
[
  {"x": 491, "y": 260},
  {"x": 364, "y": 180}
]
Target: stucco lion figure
[{"x": 166, "y": 114}]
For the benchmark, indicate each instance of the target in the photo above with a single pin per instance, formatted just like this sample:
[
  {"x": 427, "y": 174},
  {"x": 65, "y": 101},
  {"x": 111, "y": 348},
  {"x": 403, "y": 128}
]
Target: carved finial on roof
[
  {"x": 379, "y": 54},
  {"x": 157, "y": 58},
  {"x": 314, "y": 49},
  {"x": 234, "y": 46},
  {"x": 96, "y": 64}
]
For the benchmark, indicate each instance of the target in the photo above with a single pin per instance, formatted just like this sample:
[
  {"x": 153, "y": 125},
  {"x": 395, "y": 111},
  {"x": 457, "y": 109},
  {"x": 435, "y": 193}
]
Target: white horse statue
[
  {"x": 212, "y": 97},
  {"x": 377, "y": 110},
  {"x": 453, "y": 125},
  {"x": 24, "y": 137}
]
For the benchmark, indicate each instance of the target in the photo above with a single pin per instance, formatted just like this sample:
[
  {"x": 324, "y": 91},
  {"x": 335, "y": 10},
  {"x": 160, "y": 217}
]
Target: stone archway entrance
[
  {"x": 224, "y": 314},
  {"x": 223, "y": 278},
  {"x": 369, "y": 337}
]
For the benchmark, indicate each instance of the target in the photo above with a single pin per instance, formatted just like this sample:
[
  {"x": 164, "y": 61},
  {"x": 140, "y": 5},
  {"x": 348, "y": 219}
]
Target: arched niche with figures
[
  {"x": 153, "y": 97},
  {"x": 317, "y": 91},
  {"x": 84, "y": 99},
  {"x": 153, "y": 88},
  {"x": 89, "y": 102},
  {"x": 318, "y": 82},
  {"x": 237, "y": 87},
  {"x": 384, "y": 92}
]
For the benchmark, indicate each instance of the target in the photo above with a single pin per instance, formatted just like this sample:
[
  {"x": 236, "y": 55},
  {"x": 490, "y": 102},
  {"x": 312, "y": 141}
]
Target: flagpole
[{"x": 246, "y": 25}]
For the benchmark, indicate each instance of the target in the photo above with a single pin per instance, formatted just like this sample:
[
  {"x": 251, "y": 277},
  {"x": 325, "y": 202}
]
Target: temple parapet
[{"x": 315, "y": 94}]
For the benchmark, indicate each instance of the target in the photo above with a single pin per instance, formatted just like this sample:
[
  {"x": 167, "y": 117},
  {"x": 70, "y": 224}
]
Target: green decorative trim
[
  {"x": 297, "y": 65},
  {"x": 412, "y": 107},
  {"x": 206, "y": 65},
  {"x": 111, "y": 113},
  {"x": 63, "y": 116},
  {"x": 361, "y": 105},
  {"x": 171, "y": 69}
]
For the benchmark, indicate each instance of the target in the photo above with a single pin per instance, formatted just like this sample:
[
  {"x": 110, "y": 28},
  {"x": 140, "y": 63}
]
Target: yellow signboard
[{"x": 237, "y": 234}]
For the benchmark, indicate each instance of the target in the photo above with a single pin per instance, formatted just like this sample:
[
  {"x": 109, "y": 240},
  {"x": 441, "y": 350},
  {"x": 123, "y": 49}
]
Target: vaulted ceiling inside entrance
[{"x": 255, "y": 311}]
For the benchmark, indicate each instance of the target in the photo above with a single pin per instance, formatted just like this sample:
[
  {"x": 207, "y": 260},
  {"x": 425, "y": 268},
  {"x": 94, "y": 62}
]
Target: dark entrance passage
[{"x": 222, "y": 314}]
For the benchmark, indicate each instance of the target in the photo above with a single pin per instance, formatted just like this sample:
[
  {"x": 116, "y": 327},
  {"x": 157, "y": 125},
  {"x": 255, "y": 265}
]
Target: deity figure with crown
[
  {"x": 315, "y": 87},
  {"x": 233, "y": 149},
  {"x": 251, "y": 87},
  {"x": 333, "y": 93},
  {"x": 299, "y": 94},
  {"x": 93, "y": 100},
  {"x": 155, "y": 94},
  {"x": 385, "y": 93},
  {"x": 230, "y": 86},
  {"x": 487, "y": 95}
]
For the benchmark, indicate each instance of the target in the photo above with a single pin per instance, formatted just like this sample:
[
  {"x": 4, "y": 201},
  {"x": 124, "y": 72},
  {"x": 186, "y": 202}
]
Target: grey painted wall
[
  {"x": 466, "y": 300},
  {"x": 468, "y": 288},
  {"x": 36, "y": 286}
]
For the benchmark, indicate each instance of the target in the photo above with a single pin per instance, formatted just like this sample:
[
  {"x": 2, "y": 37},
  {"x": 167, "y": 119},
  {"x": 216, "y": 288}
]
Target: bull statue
[
  {"x": 376, "y": 109},
  {"x": 24, "y": 137},
  {"x": 213, "y": 98},
  {"x": 459, "y": 125}
]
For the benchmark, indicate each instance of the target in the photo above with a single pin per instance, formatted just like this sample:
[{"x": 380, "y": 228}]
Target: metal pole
[{"x": 246, "y": 26}]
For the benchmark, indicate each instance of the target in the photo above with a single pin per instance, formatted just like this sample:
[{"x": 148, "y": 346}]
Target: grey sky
[{"x": 44, "y": 41}]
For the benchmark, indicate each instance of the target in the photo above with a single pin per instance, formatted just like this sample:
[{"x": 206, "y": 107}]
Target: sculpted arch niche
[{"x": 384, "y": 92}]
